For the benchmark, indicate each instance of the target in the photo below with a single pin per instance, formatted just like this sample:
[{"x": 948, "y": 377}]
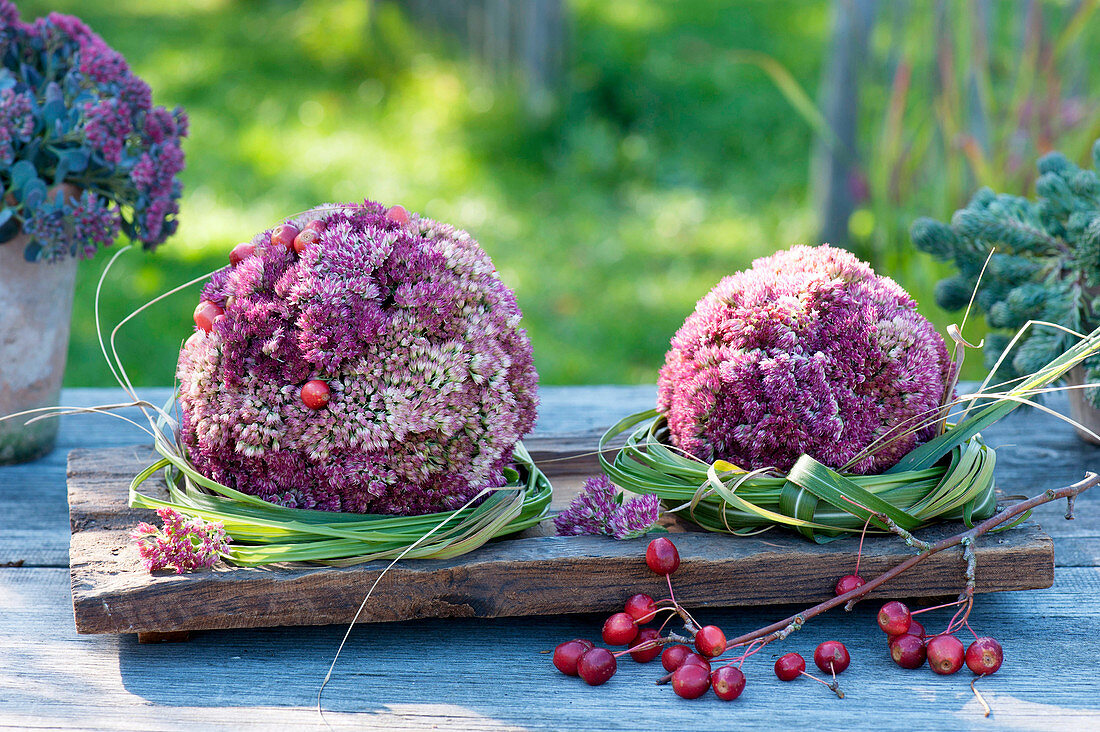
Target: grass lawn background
[{"x": 610, "y": 209}]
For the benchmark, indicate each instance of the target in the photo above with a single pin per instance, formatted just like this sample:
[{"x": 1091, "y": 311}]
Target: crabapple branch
[{"x": 785, "y": 627}]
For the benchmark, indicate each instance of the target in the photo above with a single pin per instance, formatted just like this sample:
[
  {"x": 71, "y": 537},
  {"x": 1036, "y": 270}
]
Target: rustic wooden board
[{"x": 531, "y": 574}]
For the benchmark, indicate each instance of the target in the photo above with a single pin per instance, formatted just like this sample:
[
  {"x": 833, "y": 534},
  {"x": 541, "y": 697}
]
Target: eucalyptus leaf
[
  {"x": 34, "y": 193},
  {"x": 33, "y": 251},
  {"x": 21, "y": 172},
  {"x": 10, "y": 228}
]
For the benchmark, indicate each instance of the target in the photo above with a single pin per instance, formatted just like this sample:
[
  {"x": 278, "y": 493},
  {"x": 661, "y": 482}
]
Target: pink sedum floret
[
  {"x": 181, "y": 543},
  {"x": 809, "y": 351},
  {"x": 431, "y": 378}
]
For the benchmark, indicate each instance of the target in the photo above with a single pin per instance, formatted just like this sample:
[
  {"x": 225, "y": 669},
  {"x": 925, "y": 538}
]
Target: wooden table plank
[
  {"x": 494, "y": 674},
  {"x": 530, "y": 574},
  {"x": 489, "y": 674}
]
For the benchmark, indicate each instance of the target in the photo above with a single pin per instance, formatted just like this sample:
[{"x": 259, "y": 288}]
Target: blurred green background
[{"x": 656, "y": 162}]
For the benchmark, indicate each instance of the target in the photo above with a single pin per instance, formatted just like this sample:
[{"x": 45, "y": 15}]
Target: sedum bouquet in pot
[
  {"x": 83, "y": 151},
  {"x": 808, "y": 392}
]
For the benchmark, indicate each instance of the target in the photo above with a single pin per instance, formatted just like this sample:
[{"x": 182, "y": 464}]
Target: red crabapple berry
[
  {"x": 596, "y": 666},
  {"x": 908, "y": 651},
  {"x": 728, "y": 682},
  {"x": 283, "y": 236},
  {"x": 567, "y": 655},
  {"x": 305, "y": 237},
  {"x": 945, "y": 654},
  {"x": 640, "y": 607},
  {"x": 847, "y": 583},
  {"x": 790, "y": 667},
  {"x": 832, "y": 657},
  {"x": 894, "y": 618},
  {"x": 694, "y": 659},
  {"x": 984, "y": 656},
  {"x": 619, "y": 630},
  {"x": 398, "y": 214},
  {"x": 710, "y": 641},
  {"x": 915, "y": 628},
  {"x": 316, "y": 394},
  {"x": 241, "y": 252},
  {"x": 206, "y": 313},
  {"x": 588, "y": 645},
  {"x": 315, "y": 225},
  {"x": 673, "y": 657},
  {"x": 661, "y": 556},
  {"x": 691, "y": 681},
  {"x": 645, "y": 655}
]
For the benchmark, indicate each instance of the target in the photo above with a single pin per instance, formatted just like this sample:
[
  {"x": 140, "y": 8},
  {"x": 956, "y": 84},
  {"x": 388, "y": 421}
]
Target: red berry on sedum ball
[
  {"x": 283, "y": 236},
  {"x": 205, "y": 314},
  {"x": 241, "y": 252},
  {"x": 306, "y": 237},
  {"x": 316, "y": 394},
  {"x": 398, "y": 214}
]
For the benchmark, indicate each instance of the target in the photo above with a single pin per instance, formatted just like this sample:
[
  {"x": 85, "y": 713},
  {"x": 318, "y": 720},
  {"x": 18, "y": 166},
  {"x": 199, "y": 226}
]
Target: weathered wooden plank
[
  {"x": 494, "y": 674},
  {"x": 531, "y": 575}
]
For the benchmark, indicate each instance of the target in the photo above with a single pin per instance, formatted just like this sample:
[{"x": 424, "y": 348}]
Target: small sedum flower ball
[
  {"x": 374, "y": 365},
  {"x": 809, "y": 351}
]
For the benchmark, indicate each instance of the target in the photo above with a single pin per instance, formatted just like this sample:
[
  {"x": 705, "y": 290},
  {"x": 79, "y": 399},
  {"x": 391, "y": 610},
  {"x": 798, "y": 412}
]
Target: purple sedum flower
[
  {"x": 73, "y": 110},
  {"x": 181, "y": 543},
  {"x": 596, "y": 510},
  {"x": 432, "y": 379},
  {"x": 809, "y": 351},
  {"x": 635, "y": 517}
]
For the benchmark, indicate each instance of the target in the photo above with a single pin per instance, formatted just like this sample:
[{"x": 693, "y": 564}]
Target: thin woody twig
[{"x": 785, "y": 627}]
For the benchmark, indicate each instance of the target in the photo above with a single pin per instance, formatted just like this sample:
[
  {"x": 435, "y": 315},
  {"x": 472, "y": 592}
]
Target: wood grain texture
[
  {"x": 493, "y": 674},
  {"x": 530, "y": 575},
  {"x": 481, "y": 674}
]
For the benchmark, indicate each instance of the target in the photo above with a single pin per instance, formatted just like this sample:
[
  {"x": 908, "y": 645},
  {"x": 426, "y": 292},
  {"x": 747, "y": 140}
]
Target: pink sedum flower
[
  {"x": 181, "y": 543},
  {"x": 809, "y": 351},
  {"x": 431, "y": 380},
  {"x": 597, "y": 509}
]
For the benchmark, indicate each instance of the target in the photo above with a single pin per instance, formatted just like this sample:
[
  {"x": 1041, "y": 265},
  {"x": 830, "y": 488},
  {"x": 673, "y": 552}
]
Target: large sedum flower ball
[
  {"x": 357, "y": 359},
  {"x": 809, "y": 351}
]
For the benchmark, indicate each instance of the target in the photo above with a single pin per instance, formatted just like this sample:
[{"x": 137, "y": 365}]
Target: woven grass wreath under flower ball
[
  {"x": 356, "y": 381},
  {"x": 807, "y": 392}
]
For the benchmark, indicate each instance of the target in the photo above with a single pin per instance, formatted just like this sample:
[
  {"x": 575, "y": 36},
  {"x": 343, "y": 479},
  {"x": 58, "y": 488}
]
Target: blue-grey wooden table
[{"x": 496, "y": 674}]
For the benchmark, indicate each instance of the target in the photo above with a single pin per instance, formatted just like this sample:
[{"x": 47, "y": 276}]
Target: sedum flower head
[
  {"x": 597, "y": 510},
  {"x": 432, "y": 379},
  {"x": 181, "y": 543},
  {"x": 809, "y": 351}
]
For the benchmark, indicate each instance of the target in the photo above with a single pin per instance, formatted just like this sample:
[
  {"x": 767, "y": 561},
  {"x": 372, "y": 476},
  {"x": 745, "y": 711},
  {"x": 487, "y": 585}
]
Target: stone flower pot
[
  {"x": 1080, "y": 409},
  {"x": 36, "y": 302}
]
